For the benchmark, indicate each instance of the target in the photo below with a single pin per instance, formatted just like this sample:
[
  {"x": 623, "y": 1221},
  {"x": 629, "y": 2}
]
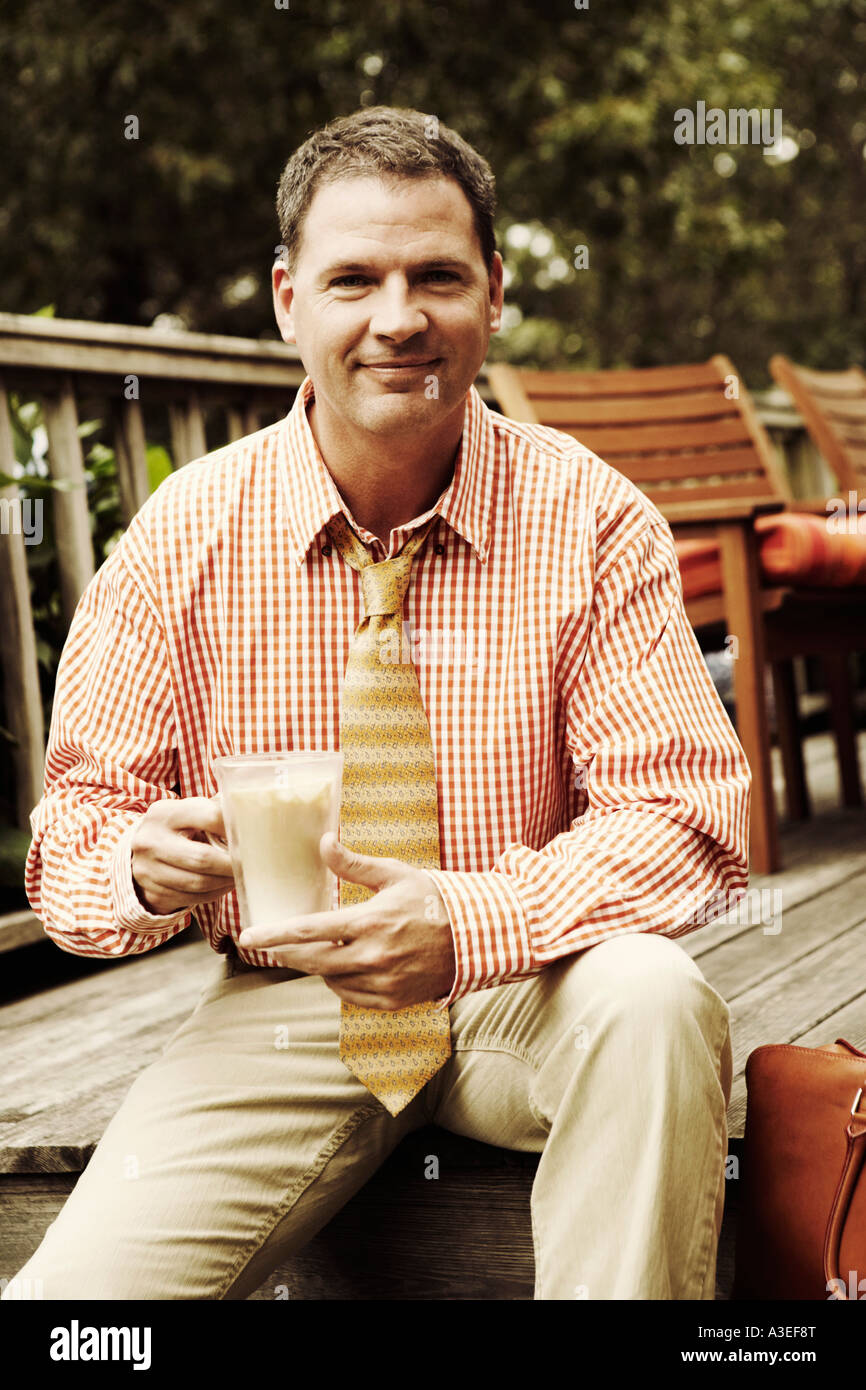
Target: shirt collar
[{"x": 312, "y": 497}]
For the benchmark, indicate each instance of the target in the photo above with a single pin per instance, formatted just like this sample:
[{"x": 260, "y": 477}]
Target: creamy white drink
[{"x": 275, "y": 816}]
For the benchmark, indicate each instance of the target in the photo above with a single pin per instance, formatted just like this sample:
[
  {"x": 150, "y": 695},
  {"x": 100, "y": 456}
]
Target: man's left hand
[{"x": 398, "y": 948}]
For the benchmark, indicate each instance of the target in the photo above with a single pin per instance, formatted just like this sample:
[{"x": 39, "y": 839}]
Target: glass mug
[{"x": 276, "y": 807}]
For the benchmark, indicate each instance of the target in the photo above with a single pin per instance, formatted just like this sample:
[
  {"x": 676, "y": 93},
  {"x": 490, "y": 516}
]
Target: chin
[{"x": 398, "y": 412}]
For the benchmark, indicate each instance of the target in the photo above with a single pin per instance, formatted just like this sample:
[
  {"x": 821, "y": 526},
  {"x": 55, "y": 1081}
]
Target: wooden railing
[{"x": 198, "y": 391}]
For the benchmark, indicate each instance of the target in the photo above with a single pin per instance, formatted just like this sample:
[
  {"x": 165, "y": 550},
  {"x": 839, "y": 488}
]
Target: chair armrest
[
  {"x": 816, "y": 506},
  {"x": 709, "y": 514}
]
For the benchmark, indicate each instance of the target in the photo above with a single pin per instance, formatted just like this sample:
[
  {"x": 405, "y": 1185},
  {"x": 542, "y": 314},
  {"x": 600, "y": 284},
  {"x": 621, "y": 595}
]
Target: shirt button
[
  {"x": 326, "y": 550},
  {"x": 440, "y": 549}
]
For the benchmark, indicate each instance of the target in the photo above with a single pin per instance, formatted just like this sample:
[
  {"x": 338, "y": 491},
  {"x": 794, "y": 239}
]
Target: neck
[{"x": 387, "y": 481}]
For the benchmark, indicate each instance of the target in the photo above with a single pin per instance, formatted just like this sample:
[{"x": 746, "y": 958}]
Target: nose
[{"x": 395, "y": 315}]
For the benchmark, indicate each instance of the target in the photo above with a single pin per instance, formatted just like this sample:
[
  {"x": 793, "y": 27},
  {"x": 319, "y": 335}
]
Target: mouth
[{"x": 402, "y": 366}]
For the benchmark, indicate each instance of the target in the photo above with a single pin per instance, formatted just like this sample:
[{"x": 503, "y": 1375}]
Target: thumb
[{"x": 368, "y": 869}]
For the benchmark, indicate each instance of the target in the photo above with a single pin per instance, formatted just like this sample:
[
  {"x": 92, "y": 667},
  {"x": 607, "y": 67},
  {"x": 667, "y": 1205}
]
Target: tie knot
[
  {"x": 384, "y": 582},
  {"x": 385, "y": 585}
]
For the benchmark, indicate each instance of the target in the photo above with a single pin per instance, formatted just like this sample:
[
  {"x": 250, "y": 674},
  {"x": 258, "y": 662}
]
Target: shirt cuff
[
  {"x": 129, "y": 910},
  {"x": 488, "y": 927}
]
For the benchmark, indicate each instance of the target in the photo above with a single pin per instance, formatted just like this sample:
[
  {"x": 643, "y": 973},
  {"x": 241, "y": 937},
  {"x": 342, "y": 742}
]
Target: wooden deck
[{"x": 70, "y": 1053}]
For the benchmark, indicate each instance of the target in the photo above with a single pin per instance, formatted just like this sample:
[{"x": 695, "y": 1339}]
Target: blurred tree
[{"x": 690, "y": 249}]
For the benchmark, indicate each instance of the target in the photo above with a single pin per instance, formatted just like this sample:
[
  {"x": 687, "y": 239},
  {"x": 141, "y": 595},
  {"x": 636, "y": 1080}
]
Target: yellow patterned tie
[{"x": 389, "y": 807}]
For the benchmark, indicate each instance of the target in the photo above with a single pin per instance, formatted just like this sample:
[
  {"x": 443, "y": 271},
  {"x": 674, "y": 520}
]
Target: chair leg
[
  {"x": 790, "y": 744},
  {"x": 745, "y": 622},
  {"x": 838, "y": 678}
]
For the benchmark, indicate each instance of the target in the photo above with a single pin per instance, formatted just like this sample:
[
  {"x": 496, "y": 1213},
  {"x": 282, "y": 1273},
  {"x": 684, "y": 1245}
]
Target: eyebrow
[{"x": 365, "y": 267}]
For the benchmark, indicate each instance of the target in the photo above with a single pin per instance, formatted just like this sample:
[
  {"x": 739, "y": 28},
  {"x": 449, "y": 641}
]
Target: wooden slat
[
  {"x": 186, "y": 422},
  {"x": 20, "y": 929},
  {"x": 823, "y": 430},
  {"x": 741, "y": 587},
  {"x": 71, "y": 516},
  {"x": 608, "y": 441},
  {"x": 577, "y": 412},
  {"x": 113, "y": 349},
  {"x": 234, "y": 424},
  {"x": 760, "y": 439},
  {"x": 851, "y": 411},
  {"x": 792, "y": 1003},
  {"x": 96, "y": 1034},
  {"x": 707, "y": 491},
  {"x": 20, "y": 667},
  {"x": 195, "y": 430},
  {"x": 621, "y": 381},
  {"x": 131, "y": 453},
  {"x": 831, "y": 384},
  {"x": 242, "y": 422},
  {"x": 644, "y": 467},
  {"x": 177, "y": 420}
]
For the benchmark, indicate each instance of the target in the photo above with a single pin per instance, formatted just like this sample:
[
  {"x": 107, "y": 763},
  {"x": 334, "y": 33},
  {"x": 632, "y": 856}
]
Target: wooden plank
[
  {"x": 757, "y": 487},
  {"x": 818, "y": 857},
  {"x": 20, "y": 929},
  {"x": 754, "y": 955},
  {"x": 234, "y": 423},
  {"x": 849, "y": 411},
  {"x": 789, "y": 739},
  {"x": 658, "y": 467},
  {"x": 741, "y": 588},
  {"x": 579, "y": 412},
  {"x": 131, "y": 452},
  {"x": 617, "y": 381},
  {"x": 71, "y": 516},
  {"x": 196, "y": 441},
  {"x": 177, "y": 420},
  {"x": 113, "y": 349},
  {"x": 608, "y": 441},
  {"x": 95, "y": 1036},
  {"x": 20, "y": 667},
  {"x": 758, "y": 435},
  {"x": 794, "y": 1002},
  {"x": 28, "y": 1205},
  {"x": 838, "y": 675}
]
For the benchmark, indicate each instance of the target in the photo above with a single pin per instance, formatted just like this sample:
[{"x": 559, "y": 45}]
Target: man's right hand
[{"x": 174, "y": 866}]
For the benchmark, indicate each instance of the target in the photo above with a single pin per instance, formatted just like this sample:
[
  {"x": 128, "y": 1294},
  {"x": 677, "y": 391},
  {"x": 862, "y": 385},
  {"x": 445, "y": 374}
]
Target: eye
[
  {"x": 446, "y": 274},
  {"x": 347, "y": 279}
]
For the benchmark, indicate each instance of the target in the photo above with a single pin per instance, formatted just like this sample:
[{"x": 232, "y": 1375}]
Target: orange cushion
[
  {"x": 794, "y": 548},
  {"x": 700, "y": 567},
  {"x": 797, "y": 548}
]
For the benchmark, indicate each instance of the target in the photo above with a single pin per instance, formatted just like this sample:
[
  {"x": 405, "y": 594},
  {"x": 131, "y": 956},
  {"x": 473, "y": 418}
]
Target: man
[{"x": 588, "y": 792}]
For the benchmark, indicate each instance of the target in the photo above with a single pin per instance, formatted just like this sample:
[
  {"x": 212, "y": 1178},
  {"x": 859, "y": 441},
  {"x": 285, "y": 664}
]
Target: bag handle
[{"x": 855, "y": 1152}]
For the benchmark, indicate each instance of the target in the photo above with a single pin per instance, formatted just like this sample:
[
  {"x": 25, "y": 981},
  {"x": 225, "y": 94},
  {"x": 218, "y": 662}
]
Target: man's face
[{"x": 391, "y": 305}]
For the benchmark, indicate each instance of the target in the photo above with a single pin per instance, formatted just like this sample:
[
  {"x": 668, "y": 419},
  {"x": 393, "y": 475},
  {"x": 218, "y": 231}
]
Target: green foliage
[{"x": 574, "y": 109}]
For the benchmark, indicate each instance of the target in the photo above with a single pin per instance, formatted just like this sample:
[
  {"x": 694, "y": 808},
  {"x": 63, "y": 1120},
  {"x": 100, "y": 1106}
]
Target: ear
[
  {"x": 283, "y": 293},
  {"x": 496, "y": 293}
]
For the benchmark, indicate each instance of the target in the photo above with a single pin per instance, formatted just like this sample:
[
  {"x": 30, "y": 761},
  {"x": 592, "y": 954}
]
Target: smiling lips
[{"x": 393, "y": 366}]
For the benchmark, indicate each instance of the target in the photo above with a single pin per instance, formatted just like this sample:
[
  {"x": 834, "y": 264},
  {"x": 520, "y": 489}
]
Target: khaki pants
[{"x": 246, "y": 1136}]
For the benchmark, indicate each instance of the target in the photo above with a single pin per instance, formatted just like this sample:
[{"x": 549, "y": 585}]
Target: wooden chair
[
  {"x": 689, "y": 436},
  {"x": 833, "y": 409}
]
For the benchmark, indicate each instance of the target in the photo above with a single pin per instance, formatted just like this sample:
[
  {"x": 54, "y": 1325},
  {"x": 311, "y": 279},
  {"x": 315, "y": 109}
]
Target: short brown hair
[{"x": 389, "y": 141}]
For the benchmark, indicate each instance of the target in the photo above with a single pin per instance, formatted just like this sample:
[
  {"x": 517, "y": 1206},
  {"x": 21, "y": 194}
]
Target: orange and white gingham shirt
[{"x": 590, "y": 782}]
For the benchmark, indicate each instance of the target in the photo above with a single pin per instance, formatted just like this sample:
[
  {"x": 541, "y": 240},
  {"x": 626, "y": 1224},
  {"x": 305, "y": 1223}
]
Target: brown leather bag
[{"x": 801, "y": 1229}]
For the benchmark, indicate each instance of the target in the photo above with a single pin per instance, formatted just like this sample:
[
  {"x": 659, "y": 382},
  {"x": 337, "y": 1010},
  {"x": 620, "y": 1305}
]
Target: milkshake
[{"x": 276, "y": 808}]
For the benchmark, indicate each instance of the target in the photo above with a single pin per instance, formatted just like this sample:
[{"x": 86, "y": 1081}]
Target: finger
[
  {"x": 195, "y": 813},
  {"x": 317, "y": 959},
  {"x": 167, "y": 878},
  {"x": 315, "y": 927},
  {"x": 193, "y": 856},
  {"x": 372, "y": 871}
]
